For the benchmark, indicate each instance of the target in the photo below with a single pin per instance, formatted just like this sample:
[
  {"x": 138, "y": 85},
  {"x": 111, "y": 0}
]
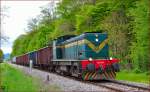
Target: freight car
[{"x": 85, "y": 56}]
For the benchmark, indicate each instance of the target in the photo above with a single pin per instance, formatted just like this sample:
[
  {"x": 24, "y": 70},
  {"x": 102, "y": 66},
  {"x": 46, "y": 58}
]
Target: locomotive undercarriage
[
  {"x": 67, "y": 67},
  {"x": 73, "y": 68}
]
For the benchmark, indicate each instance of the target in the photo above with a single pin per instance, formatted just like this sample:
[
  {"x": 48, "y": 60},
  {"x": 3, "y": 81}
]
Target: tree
[
  {"x": 140, "y": 44},
  {"x": 1, "y": 56}
]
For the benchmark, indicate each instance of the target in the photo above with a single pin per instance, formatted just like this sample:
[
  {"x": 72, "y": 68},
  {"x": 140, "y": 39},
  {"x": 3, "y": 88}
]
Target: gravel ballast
[{"x": 65, "y": 84}]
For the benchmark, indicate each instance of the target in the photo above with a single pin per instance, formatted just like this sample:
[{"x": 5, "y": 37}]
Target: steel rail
[{"x": 130, "y": 85}]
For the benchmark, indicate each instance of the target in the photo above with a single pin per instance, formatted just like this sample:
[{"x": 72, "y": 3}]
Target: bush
[
  {"x": 147, "y": 73},
  {"x": 137, "y": 70}
]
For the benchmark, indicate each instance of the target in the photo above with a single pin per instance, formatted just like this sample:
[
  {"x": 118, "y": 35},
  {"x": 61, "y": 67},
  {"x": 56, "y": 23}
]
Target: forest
[{"x": 125, "y": 21}]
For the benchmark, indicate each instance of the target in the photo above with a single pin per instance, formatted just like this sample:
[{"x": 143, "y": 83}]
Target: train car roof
[{"x": 32, "y": 51}]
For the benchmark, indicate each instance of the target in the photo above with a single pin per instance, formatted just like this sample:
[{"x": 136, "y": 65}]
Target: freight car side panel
[
  {"x": 44, "y": 55},
  {"x": 25, "y": 59},
  {"x": 17, "y": 60},
  {"x": 33, "y": 56}
]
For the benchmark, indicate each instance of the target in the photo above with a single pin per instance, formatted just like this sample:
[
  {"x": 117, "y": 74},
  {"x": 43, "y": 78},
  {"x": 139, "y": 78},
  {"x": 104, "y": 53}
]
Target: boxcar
[
  {"x": 22, "y": 60},
  {"x": 44, "y": 56},
  {"x": 33, "y": 56}
]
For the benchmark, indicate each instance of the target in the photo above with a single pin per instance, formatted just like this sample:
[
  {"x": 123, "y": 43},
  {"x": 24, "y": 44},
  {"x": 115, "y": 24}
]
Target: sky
[{"x": 19, "y": 13}]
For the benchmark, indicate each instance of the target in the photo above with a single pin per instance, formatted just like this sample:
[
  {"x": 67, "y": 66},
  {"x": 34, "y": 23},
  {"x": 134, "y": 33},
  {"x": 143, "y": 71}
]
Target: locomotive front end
[
  {"x": 95, "y": 61},
  {"x": 99, "y": 69}
]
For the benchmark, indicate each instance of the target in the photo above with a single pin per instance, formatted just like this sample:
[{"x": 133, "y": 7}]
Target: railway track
[
  {"x": 139, "y": 87},
  {"x": 113, "y": 85},
  {"x": 119, "y": 86}
]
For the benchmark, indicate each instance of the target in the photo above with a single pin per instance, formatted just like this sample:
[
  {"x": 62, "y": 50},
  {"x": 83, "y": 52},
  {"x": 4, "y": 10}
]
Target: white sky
[{"x": 19, "y": 13}]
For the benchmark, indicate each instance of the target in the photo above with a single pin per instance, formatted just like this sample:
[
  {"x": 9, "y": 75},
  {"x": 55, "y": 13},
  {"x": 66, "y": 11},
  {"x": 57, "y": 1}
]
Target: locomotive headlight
[
  {"x": 90, "y": 59},
  {"x": 110, "y": 58},
  {"x": 96, "y": 39}
]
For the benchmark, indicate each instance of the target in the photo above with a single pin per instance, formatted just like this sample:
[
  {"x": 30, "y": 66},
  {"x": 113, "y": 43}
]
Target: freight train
[{"x": 85, "y": 56}]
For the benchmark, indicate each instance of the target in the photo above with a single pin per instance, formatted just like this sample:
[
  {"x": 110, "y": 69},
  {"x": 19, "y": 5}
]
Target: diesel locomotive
[{"x": 85, "y": 56}]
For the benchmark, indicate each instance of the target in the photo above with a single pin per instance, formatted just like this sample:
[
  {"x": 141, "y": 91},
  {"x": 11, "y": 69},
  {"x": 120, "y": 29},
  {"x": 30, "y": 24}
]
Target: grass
[
  {"x": 14, "y": 80},
  {"x": 134, "y": 77}
]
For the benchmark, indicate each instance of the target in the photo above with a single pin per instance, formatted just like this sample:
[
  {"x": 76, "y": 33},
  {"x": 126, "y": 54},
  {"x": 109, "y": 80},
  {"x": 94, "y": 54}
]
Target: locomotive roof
[
  {"x": 80, "y": 37},
  {"x": 65, "y": 36}
]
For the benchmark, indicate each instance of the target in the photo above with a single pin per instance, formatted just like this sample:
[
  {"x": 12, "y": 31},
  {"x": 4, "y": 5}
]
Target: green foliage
[
  {"x": 1, "y": 55},
  {"x": 83, "y": 19},
  {"x": 140, "y": 45}
]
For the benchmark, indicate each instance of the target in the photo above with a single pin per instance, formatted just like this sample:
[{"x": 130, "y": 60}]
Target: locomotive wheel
[
  {"x": 57, "y": 69},
  {"x": 75, "y": 71},
  {"x": 51, "y": 68}
]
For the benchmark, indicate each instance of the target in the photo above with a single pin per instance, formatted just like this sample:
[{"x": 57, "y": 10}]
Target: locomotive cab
[{"x": 57, "y": 47}]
